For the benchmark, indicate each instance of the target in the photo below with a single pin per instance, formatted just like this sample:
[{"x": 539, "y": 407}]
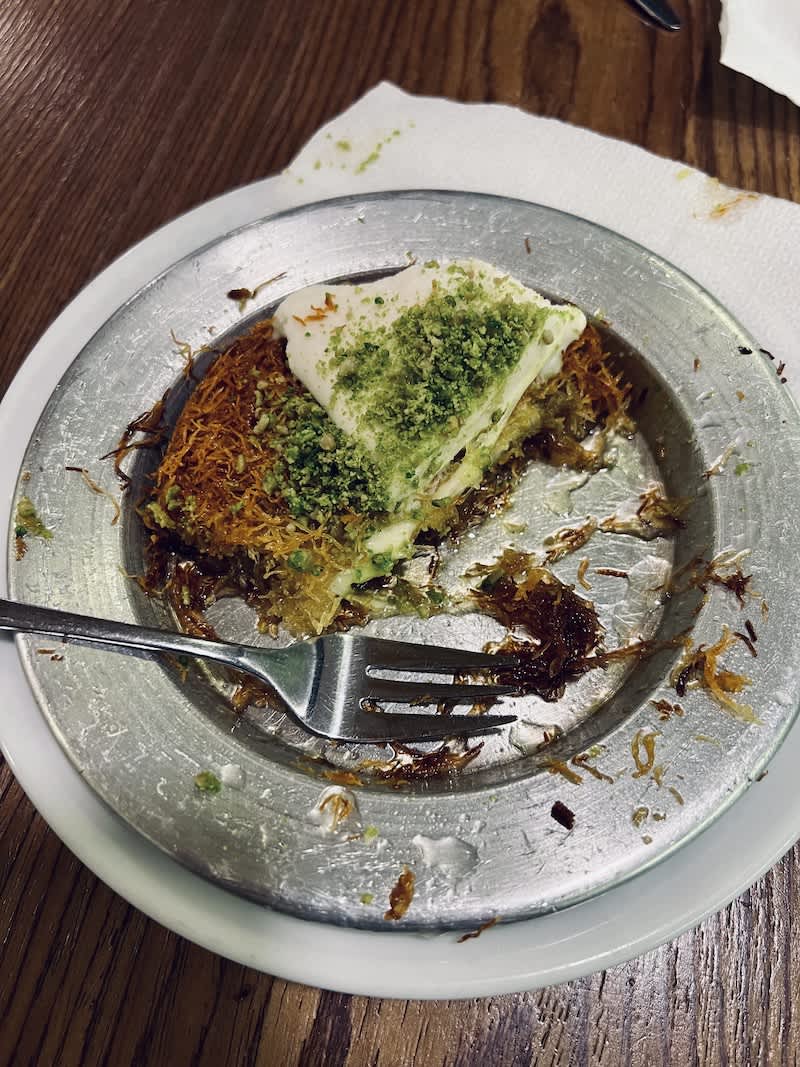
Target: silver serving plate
[{"x": 482, "y": 842}]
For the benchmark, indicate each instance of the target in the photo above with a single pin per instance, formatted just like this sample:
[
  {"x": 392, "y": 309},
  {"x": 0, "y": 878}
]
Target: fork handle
[
  {"x": 291, "y": 672},
  {"x": 103, "y": 633}
]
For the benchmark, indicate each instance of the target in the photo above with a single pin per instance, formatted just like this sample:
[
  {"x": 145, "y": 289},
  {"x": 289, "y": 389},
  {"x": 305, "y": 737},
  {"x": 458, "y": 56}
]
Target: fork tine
[
  {"x": 432, "y": 692},
  {"x": 404, "y": 655},
  {"x": 388, "y": 726}
]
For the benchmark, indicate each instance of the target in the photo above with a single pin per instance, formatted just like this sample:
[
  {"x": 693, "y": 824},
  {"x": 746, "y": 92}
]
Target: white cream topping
[
  {"x": 320, "y": 322},
  {"x": 326, "y": 327}
]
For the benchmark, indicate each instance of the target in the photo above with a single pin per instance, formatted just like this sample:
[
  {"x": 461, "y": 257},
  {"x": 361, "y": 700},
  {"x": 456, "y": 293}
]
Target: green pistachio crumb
[
  {"x": 366, "y": 898},
  {"x": 160, "y": 516},
  {"x": 457, "y": 343},
  {"x": 303, "y": 561},
  {"x": 742, "y": 468},
  {"x": 27, "y": 520},
  {"x": 319, "y": 470},
  {"x": 207, "y": 782},
  {"x": 373, "y": 157},
  {"x": 382, "y": 562},
  {"x": 370, "y": 833}
]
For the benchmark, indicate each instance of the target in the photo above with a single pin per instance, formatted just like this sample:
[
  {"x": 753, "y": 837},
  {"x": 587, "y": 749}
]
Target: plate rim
[
  {"x": 237, "y": 863},
  {"x": 114, "y": 278}
]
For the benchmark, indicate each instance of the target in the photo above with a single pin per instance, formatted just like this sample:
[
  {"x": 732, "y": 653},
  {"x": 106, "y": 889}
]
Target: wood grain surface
[{"x": 116, "y": 116}]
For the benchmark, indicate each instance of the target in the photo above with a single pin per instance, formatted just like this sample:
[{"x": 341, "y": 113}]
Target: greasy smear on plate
[{"x": 725, "y": 207}]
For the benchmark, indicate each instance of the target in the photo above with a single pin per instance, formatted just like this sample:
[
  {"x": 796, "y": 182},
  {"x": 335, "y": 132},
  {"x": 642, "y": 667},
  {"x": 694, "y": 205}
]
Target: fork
[{"x": 327, "y": 684}]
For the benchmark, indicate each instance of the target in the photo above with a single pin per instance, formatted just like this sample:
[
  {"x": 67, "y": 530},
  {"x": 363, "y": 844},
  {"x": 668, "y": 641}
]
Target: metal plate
[{"x": 482, "y": 843}]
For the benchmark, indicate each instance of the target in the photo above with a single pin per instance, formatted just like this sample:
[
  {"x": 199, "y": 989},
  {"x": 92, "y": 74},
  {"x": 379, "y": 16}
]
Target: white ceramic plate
[{"x": 611, "y": 928}]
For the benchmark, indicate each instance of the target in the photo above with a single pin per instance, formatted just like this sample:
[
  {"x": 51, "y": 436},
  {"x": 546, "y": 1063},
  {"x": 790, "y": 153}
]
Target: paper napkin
[
  {"x": 761, "y": 38},
  {"x": 744, "y": 248}
]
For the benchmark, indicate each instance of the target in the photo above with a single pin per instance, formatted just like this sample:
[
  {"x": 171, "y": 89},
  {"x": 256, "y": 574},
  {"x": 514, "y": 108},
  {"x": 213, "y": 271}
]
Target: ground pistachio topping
[
  {"x": 424, "y": 366},
  {"x": 319, "y": 471},
  {"x": 27, "y": 521}
]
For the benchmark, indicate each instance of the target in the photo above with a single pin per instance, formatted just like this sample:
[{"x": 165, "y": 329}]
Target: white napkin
[
  {"x": 744, "y": 248},
  {"x": 761, "y": 38}
]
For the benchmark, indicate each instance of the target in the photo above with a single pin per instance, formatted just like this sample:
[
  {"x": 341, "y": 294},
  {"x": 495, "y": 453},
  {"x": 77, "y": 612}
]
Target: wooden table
[{"x": 117, "y": 116}]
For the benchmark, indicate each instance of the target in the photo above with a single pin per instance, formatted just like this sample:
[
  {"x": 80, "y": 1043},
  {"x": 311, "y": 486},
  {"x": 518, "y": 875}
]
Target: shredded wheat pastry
[{"x": 326, "y": 445}]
